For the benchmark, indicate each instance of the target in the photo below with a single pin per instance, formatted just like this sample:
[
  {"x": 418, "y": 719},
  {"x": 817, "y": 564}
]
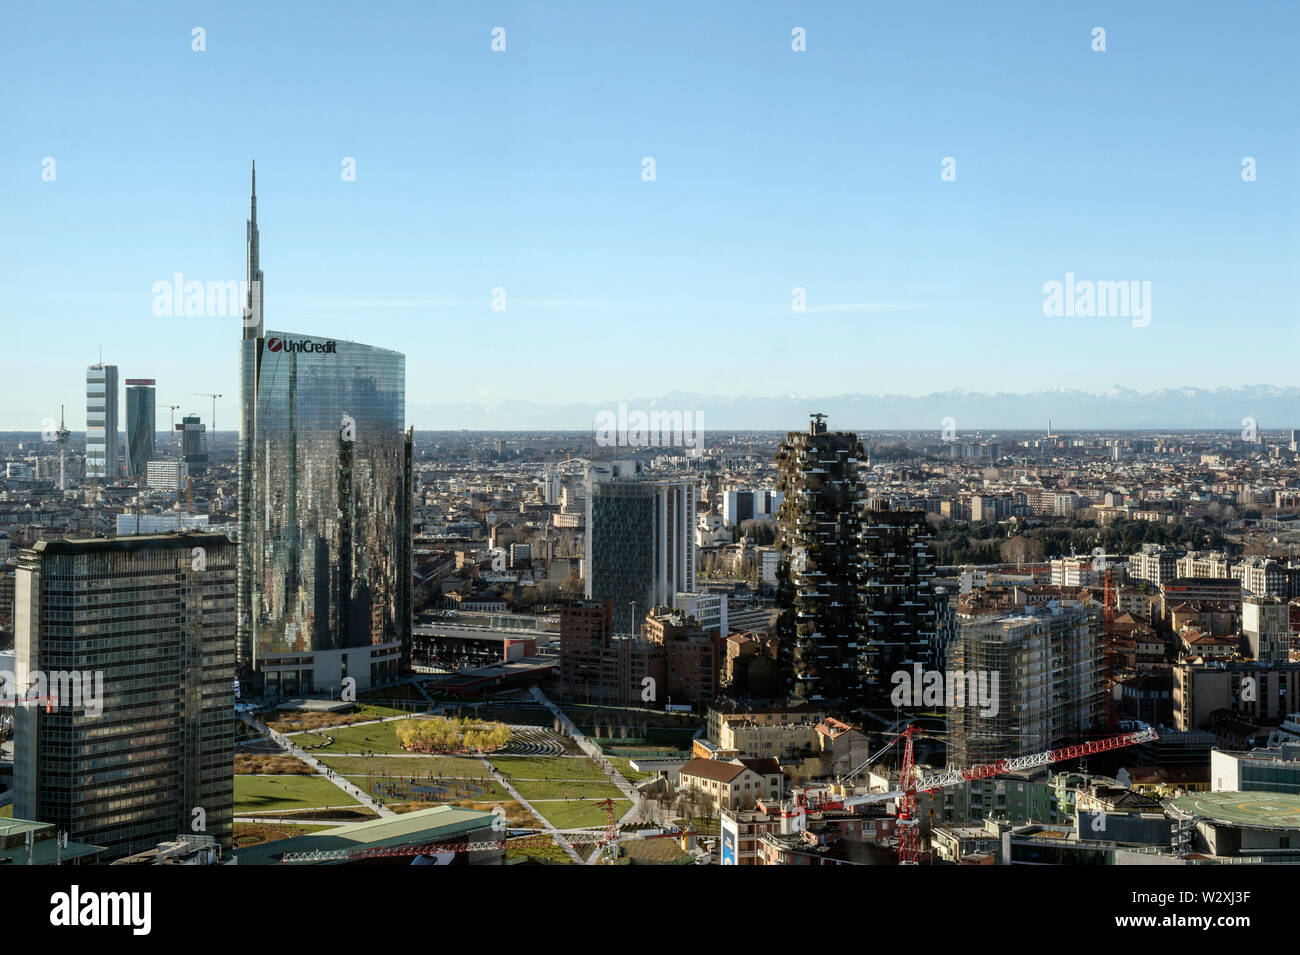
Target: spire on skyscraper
[{"x": 253, "y": 306}]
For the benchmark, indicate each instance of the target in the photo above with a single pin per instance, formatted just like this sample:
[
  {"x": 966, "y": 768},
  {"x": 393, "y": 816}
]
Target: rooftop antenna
[{"x": 62, "y": 436}]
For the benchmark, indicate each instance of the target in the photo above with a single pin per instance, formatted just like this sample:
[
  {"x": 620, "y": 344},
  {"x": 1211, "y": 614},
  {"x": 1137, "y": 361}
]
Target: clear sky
[{"x": 774, "y": 169}]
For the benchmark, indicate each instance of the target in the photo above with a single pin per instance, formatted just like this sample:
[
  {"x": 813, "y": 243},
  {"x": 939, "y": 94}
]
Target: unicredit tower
[{"x": 324, "y": 582}]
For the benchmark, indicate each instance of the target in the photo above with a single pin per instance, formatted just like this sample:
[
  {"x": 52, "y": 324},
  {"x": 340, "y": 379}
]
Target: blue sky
[{"x": 775, "y": 169}]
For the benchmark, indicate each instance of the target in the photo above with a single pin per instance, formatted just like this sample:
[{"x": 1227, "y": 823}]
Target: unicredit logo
[{"x": 279, "y": 344}]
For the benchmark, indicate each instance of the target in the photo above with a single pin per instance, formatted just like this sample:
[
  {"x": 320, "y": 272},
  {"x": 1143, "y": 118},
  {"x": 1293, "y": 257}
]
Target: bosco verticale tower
[{"x": 821, "y": 628}]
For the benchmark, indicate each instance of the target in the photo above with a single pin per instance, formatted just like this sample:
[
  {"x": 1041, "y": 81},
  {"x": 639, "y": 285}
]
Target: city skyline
[
  {"x": 1272, "y": 410},
  {"x": 747, "y": 434},
  {"x": 906, "y": 270}
]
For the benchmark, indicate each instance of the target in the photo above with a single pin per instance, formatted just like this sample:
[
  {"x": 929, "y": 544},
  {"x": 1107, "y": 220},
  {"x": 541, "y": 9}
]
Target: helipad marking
[{"x": 1267, "y": 807}]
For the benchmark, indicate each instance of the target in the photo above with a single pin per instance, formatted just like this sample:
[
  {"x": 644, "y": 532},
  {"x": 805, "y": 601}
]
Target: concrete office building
[
  {"x": 692, "y": 656},
  {"x": 1250, "y": 691},
  {"x": 133, "y": 743},
  {"x": 1263, "y": 769},
  {"x": 1265, "y": 629},
  {"x": 740, "y": 506},
  {"x": 598, "y": 667},
  {"x": 709, "y": 610},
  {"x": 166, "y": 475}
]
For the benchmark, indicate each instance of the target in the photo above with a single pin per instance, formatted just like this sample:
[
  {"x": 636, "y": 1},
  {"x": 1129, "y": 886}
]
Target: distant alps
[{"x": 1271, "y": 407}]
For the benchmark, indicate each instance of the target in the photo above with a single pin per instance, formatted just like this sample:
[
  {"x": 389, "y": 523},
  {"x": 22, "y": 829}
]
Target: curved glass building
[
  {"x": 141, "y": 424},
  {"x": 324, "y": 507}
]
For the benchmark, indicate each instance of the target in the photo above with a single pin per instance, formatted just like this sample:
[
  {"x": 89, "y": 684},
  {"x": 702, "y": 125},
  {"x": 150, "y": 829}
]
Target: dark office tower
[
  {"x": 132, "y": 743},
  {"x": 103, "y": 454},
  {"x": 640, "y": 546},
  {"x": 192, "y": 453},
  {"x": 324, "y": 507},
  {"x": 819, "y": 576},
  {"x": 141, "y": 423},
  {"x": 905, "y": 618}
]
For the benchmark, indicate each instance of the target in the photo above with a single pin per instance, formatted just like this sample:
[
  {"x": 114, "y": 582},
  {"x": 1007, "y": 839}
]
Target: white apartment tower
[{"x": 102, "y": 451}]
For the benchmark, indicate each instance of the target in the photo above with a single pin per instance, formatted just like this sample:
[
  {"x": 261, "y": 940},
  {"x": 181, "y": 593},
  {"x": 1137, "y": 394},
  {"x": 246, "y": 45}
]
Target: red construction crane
[
  {"x": 909, "y": 841},
  {"x": 1108, "y": 607},
  {"x": 1108, "y": 602},
  {"x": 611, "y": 827}
]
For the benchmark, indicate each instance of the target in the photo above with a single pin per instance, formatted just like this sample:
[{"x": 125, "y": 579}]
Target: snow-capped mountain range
[{"x": 1271, "y": 408}]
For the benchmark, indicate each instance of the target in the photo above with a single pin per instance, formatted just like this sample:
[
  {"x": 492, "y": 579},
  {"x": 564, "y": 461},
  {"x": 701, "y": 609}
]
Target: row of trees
[
  {"x": 440, "y": 735},
  {"x": 688, "y": 804},
  {"x": 985, "y": 542}
]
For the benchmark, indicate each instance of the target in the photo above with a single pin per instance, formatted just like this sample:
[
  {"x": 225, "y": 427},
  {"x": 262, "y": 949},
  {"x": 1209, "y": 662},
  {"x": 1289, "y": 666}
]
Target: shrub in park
[{"x": 440, "y": 735}]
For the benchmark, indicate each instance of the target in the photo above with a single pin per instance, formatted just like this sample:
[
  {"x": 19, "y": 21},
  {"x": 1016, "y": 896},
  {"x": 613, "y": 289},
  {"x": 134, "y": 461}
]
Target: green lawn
[
  {"x": 270, "y": 794},
  {"x": 572, "y": 815},
  {"x": 491, "y": 789},
  {"x": 547, "y": 767},
  {"x": 565, "y": 788},
  {"x": 379, "y": 712},
  {"x": 371, "y": 738},
  {"x": 459, "y": 766}
]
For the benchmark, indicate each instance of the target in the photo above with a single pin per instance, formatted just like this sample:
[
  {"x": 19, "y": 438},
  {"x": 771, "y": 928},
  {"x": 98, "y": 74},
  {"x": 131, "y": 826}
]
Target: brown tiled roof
[{"x": 714, "y": 769}]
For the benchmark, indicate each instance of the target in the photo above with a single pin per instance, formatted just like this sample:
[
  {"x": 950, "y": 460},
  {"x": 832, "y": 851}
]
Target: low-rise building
[{"x": 734, "y": 784}]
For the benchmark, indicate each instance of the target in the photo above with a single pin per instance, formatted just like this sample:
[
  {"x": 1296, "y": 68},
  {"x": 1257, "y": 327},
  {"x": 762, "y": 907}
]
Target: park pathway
[
  {"x": 641, "y": 807},
  {"x": 317, "y": 766},
  {"x": 562, "y": 842}
]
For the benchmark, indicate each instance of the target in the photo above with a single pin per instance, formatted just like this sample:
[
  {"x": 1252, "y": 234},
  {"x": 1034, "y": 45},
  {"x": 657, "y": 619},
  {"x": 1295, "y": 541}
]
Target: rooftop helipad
[{"x": 1252, "y": 810}]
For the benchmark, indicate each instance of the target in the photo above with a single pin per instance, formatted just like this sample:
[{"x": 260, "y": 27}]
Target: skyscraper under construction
[{"x": 819, "y": 577}]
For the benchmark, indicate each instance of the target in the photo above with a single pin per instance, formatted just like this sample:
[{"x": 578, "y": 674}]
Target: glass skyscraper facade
[
  {"x": 328, "y": 470},
  {"x": 140, "y": 747},
  {"x": 141, "y": 424},
  {"x": 324, "y": 506},
  {"x": 102, "y": 452}
]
